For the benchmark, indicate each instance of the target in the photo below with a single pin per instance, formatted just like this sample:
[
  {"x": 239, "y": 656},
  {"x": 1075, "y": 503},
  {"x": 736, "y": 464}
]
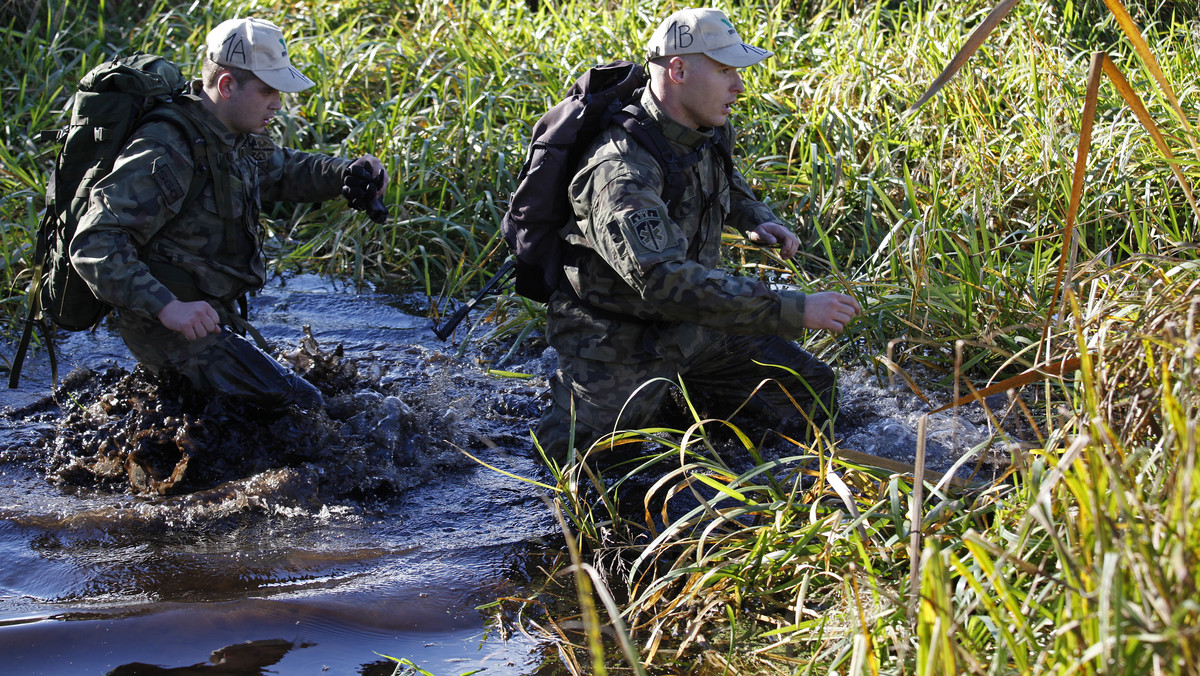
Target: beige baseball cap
[
  {"x": 257, "y": 46},
  {"x": 703, "y": 31}
]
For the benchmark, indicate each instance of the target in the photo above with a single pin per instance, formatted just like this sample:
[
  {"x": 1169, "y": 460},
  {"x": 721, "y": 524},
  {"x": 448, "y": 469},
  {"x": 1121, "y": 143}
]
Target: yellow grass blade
[
  {"x": 935, "y": 619},
  {"x": 510, "y": 475},
  {"x": 1139, "y": 43},
  {"x": 1143, "y": 115},
  {"x": 976, "y": 39},
  {"x": 1081, "y": 154},
  {"x": 1049, "y": 370}
]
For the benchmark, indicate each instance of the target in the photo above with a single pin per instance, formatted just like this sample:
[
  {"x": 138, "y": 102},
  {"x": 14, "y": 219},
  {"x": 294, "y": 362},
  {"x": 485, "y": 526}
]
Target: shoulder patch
[
  {"x": 260, "y": 147},
  {"x": 647, "y": 225},
  {"x": 168, "y": 185}
]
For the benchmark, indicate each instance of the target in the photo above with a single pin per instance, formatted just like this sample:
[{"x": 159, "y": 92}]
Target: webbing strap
[
  {"x": 242, "y": 325},
  {"x": 14, "y": 374},
  {"x": 209, "y": 160},
  {"x": 646, "y": 132},
  {"x": 183, "y": 286},
  {"x": 35, "y": 306},
  {"x": 205, "y": 156}
]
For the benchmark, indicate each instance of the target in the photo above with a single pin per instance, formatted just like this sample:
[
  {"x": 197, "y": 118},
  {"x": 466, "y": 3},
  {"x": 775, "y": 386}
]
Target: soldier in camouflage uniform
[
  {"x": 646, "y": 305},
  {"x": 175, "y": 276}
]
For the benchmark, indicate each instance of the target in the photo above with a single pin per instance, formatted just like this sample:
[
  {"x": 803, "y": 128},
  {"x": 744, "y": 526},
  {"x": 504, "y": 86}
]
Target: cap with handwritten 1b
[{"x": 703, "y": 31}]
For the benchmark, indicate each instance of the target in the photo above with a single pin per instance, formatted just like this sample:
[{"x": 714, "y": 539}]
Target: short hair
[
  {"x": 212, "y": 70},
  {"x": 657, "y": 67}
]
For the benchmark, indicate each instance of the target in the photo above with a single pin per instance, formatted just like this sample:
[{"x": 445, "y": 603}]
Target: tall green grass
[
  {"x": 948, "y": 224},
  {"x": 1081, "y": 559},
  {"x": 951, "y": 223},
  {"x": 942, "y": 229}
]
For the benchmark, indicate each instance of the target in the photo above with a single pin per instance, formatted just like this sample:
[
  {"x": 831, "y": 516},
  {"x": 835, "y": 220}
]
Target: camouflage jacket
[
  {"x": 133, "y": 219},
  {"x": 650, "y": 285}
]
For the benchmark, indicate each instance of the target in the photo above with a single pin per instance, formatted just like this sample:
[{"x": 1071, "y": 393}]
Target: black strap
[
  {"x": 14, "y": 374},
  {"x": 639, "y": 125},
  {"x": 241, "y": 325},
  {"x": 33, "y": 298},
  {"x": 50, "y": 351}
]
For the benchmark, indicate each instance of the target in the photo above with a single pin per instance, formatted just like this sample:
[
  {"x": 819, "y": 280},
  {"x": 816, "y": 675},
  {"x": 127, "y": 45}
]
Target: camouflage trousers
[
  {"x": 729, "y": 372},
  {"x": 224, "y": 362}
]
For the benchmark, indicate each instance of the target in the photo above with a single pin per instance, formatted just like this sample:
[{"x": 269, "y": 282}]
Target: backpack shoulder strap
[
  {"x": 646, "y": 132},
  {"x": 208, "y": 163},
  {"x": 206, "y": 156},
  {"x": 204, "y": 153}
]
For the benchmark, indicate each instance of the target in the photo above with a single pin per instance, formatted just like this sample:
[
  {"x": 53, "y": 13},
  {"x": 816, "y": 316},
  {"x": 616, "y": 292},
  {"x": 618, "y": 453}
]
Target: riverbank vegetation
[{"x": 988, "y": 252}]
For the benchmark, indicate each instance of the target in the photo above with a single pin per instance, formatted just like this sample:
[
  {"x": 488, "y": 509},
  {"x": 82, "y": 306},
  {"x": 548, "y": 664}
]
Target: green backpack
[{"x": 113, "y": 100}]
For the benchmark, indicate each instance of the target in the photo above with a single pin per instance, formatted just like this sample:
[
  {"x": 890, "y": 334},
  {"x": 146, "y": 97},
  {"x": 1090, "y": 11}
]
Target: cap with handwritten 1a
[{"x": 256, "y": 45}]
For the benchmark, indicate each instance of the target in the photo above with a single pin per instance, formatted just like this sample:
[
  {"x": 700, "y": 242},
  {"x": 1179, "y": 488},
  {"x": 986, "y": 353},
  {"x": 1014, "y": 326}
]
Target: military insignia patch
[
  {"x": 647, "y": 226},
  {"x": 167, "y": 183}
]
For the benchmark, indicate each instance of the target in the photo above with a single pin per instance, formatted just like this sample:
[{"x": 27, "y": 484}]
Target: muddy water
[
  {"x": 327, "y": 542},
  {"x": 322, "y": 566}
]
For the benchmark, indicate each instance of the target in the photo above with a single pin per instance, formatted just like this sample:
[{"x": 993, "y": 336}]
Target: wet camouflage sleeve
[
  {"x": 671, "y": 266},
  {"x": 140, "y": 202},
  {"x": 128, "y": 207},
  {"x": 293, "y": 176}
]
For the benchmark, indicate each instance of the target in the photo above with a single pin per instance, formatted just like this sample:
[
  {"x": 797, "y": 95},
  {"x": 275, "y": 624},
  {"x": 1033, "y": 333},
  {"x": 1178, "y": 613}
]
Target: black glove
[{"x": 361, "y": 187}]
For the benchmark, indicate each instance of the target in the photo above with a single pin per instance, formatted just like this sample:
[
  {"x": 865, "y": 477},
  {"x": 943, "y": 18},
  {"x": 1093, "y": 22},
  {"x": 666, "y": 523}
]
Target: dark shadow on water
[{"x": 242, "y": 659}]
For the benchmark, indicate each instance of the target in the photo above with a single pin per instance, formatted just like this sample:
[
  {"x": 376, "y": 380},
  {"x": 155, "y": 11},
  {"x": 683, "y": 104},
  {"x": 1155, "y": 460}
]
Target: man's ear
[
  {"x": 677, "y": 69},
  {"x": 225, "y": 84}
]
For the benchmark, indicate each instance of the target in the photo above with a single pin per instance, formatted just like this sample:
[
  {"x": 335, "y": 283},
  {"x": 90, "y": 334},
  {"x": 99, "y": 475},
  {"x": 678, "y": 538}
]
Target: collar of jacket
[
  {"x": 231, "y": 141},
  {"x": 674, "y": 131}
]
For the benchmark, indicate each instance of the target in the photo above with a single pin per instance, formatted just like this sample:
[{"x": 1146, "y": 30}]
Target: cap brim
[
  {"x": 739, "y": 55},
  {"x": 285, "y": 79}
]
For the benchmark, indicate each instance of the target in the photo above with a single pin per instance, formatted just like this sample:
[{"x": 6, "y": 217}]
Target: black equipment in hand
[{"x": 361, "y": 187}]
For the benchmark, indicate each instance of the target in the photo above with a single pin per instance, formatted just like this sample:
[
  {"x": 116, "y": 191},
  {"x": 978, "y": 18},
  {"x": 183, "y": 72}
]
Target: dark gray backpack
[{"x": 540, "y": 206}]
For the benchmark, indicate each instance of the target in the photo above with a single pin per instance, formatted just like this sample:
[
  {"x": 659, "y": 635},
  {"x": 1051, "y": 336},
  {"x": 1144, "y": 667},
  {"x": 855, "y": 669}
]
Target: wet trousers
[
  {"x": 222, "y": 362},
  {"x": 726, "y": 374}
]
